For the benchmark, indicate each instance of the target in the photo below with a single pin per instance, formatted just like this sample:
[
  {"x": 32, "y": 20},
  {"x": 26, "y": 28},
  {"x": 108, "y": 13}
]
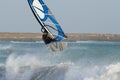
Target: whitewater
[{"x": 81, "y": 60}]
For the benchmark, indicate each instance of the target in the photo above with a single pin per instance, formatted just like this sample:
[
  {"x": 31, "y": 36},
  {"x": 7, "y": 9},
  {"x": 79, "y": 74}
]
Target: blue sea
[{"x": 81, "y": 60}]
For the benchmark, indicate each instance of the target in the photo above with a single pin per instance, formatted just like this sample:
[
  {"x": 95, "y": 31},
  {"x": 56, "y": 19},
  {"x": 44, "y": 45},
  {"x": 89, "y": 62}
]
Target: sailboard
[{"x": 48, "y": 22}]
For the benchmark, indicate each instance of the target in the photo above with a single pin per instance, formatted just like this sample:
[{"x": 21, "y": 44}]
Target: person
[
  {"x": 46, "y": 38},
  {"x": 55, "y": 45}
]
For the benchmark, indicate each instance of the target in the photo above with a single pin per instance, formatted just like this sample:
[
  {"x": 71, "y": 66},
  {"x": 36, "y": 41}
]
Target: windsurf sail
[{"x": 46, "y": 19}]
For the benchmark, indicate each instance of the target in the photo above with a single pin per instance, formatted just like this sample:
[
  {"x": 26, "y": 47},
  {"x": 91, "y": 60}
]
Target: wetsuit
[{"x": 47, "y": 39}]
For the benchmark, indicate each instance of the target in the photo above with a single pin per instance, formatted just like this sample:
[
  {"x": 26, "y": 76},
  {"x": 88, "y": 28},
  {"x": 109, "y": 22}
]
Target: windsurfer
[{"x": 47, "y": 38}]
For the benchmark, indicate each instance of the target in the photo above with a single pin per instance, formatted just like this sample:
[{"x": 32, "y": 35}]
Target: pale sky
[{"x": 74, "y": 16}]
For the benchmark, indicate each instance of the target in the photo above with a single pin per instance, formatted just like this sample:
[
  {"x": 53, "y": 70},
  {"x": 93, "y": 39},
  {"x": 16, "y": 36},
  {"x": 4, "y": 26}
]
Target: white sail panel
[{"x": 38, "y": 8}]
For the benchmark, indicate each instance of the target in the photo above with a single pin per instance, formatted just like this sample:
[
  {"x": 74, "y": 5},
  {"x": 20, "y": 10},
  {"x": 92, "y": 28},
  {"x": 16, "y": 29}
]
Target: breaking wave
[{"x": 29, "y": 67}]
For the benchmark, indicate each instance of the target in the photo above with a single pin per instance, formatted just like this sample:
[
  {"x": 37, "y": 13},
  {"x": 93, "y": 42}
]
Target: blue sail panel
[{"x": 46, "y": 19}]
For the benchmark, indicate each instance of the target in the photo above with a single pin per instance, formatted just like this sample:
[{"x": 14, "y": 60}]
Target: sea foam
[{"x": 29, "y": 67}]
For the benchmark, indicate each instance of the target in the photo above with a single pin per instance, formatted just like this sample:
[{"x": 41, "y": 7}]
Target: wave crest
[{"x": 29, "y": 67}]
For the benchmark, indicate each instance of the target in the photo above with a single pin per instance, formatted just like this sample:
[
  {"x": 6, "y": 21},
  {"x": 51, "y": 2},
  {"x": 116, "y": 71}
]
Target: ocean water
[{"x": 81, "y": 60}]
